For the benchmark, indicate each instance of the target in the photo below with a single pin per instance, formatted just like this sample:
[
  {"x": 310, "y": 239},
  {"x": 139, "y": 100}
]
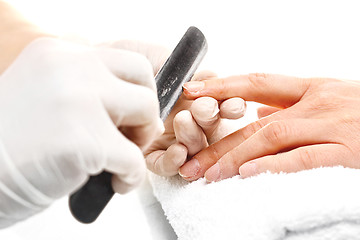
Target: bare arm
[{"x": 15, "y": 33}]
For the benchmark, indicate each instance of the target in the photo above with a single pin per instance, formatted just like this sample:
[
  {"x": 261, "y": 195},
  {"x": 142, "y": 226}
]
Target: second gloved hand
[
  {"x": 61, "y": 108},
  {"x": 190, "y": 127}
]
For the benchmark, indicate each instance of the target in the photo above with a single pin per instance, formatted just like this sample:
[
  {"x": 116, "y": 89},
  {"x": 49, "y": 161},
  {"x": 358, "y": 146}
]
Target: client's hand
[
  {"x": 190, "y": 127},
  {"x": 311, "y": 123}
]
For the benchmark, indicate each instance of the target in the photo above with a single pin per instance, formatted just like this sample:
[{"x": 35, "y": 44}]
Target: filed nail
[
  {"x": 213, "y": 174},
  {"x": 248, "y": 169},
  {"x": 190, "y": 169},
  {"x": 194, "y": 86}
]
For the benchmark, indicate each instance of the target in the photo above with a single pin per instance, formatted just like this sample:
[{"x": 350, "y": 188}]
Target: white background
[{"x": 301, "y": 38}]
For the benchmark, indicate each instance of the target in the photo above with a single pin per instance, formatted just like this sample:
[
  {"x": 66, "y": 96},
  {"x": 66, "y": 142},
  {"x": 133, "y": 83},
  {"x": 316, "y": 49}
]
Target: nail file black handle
[{"x": 88, "y": 202}]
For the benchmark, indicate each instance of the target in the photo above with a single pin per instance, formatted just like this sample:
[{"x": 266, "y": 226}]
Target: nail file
[{"x": 87, "y": 203}]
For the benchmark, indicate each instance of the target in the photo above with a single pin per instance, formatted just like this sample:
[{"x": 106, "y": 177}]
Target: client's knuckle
[
  {"x": 252, "y": 128},
  {"x": 259, "y": 80},
  {"x": 324, "y": 101},
  {"x": 306, "y": 159},
  {"x": 221, "y": 87},
  {"x": 215, "y": 152},
  {"x": 276, "y": 132}
]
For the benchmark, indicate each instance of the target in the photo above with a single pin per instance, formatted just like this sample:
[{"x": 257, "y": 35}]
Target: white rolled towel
[{"x": 316, "y": 204}]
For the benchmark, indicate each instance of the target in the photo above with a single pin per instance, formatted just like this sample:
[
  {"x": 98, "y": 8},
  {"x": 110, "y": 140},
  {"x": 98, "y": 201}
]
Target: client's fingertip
[
  {"x": 248, "y": 169},
  {"x": 193, "y": 89},
  {"x": 190, "y": 170},
  {"x": 213, "y": 174}
]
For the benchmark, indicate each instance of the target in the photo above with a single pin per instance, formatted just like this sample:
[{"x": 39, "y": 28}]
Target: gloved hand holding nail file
[
  {"x": 87, "y": 203},
  {"x": 61, "y": 105}
]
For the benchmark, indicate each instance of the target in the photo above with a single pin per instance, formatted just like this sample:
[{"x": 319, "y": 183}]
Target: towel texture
[{"x": 315, "y": 204}]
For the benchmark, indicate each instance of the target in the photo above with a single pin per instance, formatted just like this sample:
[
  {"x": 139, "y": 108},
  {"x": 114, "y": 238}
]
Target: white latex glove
[
  {"x": 61, "y": 105},
  {"x": 190, "y": 127},
  {"x": 156, "y": 54},
  {"x": 158, "y": 223}
]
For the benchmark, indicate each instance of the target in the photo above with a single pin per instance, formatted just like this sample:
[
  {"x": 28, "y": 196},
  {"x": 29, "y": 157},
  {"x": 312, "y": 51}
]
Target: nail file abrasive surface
[{"x": 88, "y": 202}]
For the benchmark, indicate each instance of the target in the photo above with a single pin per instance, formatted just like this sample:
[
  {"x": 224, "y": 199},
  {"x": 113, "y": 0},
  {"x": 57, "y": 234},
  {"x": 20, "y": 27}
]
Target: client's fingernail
[
  {"x": 194, "y": 86},
  {"x": 213, "y": 174},
  {"x": 190, "y": 169},
  {"x": 248, "y": 169}
]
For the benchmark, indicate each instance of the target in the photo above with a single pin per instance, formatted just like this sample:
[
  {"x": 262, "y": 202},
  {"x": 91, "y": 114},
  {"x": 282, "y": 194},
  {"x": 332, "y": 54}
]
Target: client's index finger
[
  {"x": 196, "y": 167},
  {"x": 270, "y": 89}
]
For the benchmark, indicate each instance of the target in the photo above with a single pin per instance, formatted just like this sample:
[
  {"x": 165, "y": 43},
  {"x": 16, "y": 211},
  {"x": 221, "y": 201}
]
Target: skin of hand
[
  {"x": 307, "y": 123},
  {"x": 190, "y": 127},
  {"x": 61, "y": 108}
]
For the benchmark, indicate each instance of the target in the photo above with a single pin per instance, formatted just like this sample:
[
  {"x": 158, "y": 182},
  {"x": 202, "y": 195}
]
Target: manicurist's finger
[
  {"x": 129, "y": 66},
  {"x": 307, "y": 157},
  {"x": 278, "y": 136},
  {"x": 136, "y": 111},
  {"x": 125, "y": 160},
  {"x": 205, "y": 111},
  {"x": 266, "y": 111},
  {"x": 188, "y": 133},
  {"x": 275, "y": 90},
  {"x": 156, "y": 54},
  {"x": 167, "y": 163},
  {"x": 233, "y": 108}
]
